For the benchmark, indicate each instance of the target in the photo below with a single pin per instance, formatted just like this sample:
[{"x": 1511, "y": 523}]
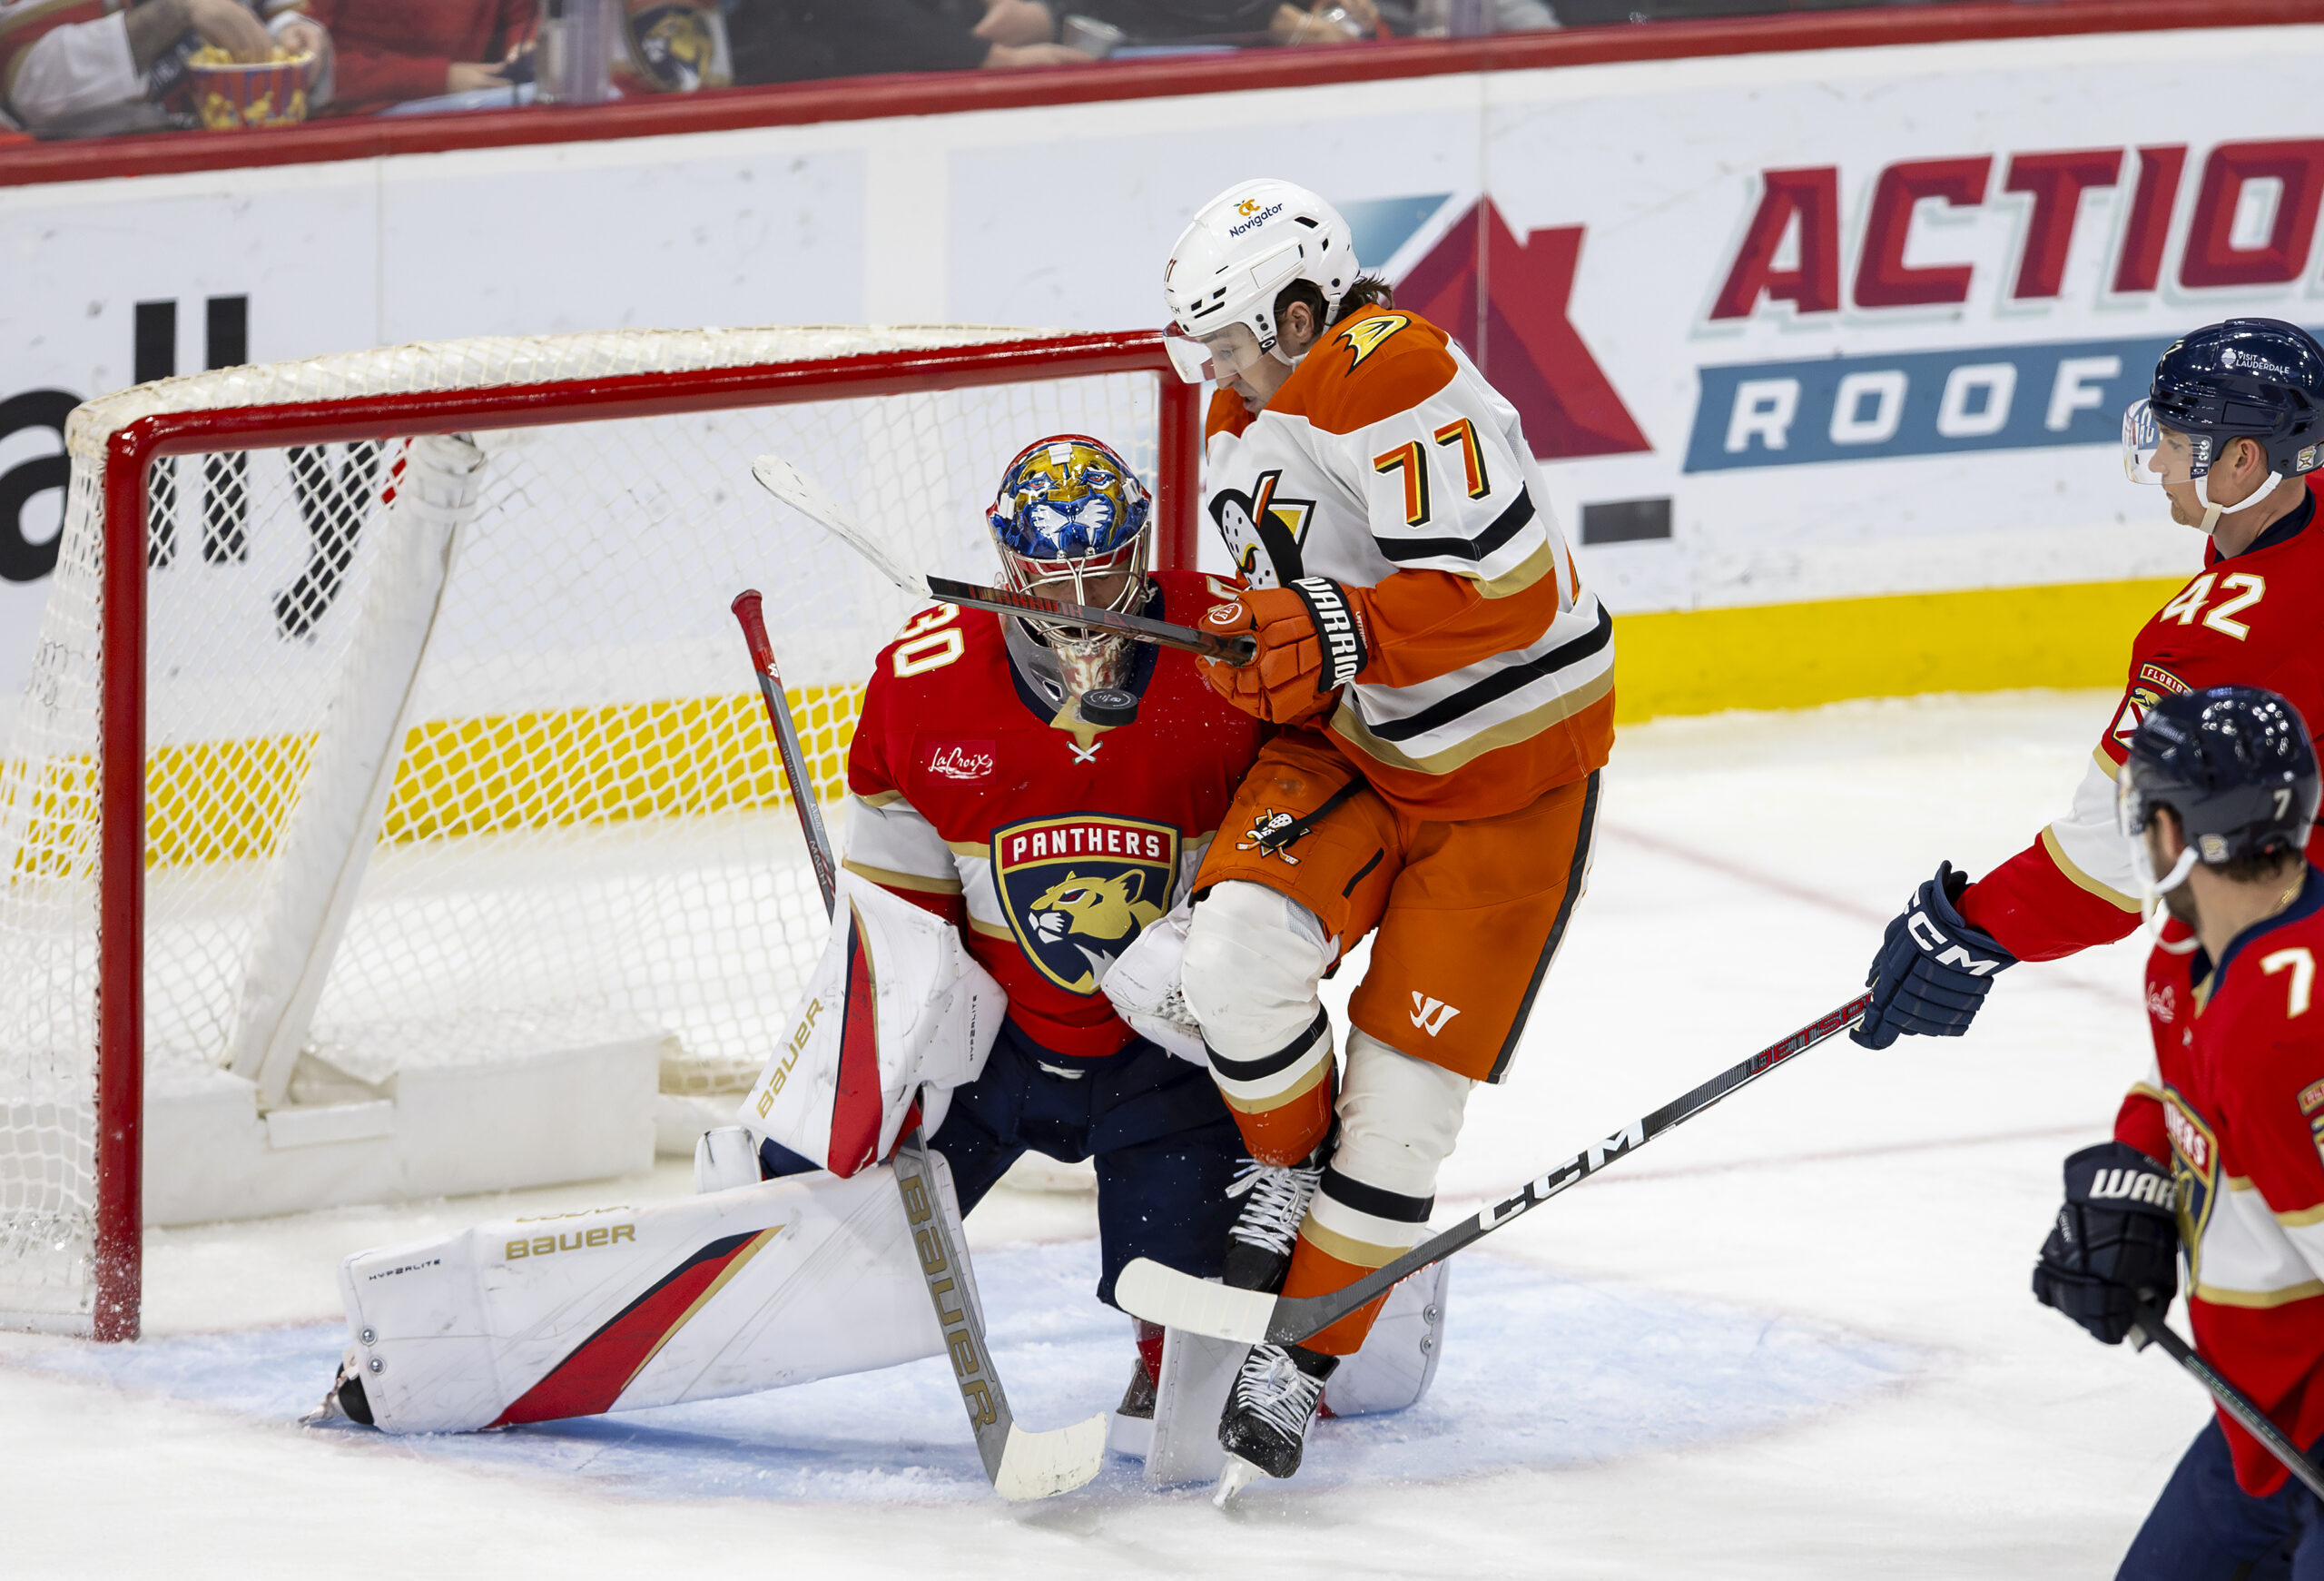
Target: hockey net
[{"x": 387, "y": 708}]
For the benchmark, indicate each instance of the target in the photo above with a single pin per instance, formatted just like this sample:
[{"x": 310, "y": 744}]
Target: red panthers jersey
[
  {"x": 1052, "y": 842},
  {"x": 2235, "y": 1104},
  {"x": 2254, "y": 620}
]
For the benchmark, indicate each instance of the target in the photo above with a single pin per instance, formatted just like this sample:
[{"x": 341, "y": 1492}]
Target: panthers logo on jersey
[
  {"x": 2195, "y": 1171},
  {"x": 1077, "y": 889},
  {"x": 1263, "y": 531}
]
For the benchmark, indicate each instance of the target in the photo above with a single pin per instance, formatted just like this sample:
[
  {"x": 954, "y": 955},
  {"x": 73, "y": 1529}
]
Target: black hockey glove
[
  {"x": 1933, "y": 969},
  {"x": 2117, "y": 1242}
]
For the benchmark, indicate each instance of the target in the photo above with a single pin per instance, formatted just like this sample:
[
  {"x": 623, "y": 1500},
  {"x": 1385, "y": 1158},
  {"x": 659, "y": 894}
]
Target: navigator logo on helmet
[
  {"x": 1243, "y": 248},
  {"x": 2256, "y": 378},
  {"x": 1070, "y": 521}
]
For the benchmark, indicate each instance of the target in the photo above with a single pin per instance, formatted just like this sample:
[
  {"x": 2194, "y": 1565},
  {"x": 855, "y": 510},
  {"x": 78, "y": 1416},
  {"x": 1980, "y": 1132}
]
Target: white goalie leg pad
[
  {"x": 1251, "y": 961},
  {"x": 745, "y": 1290},
  {"x": 1398, "y": 1362},
  {"x": 1399, "y": 1118},
  {"x": 896, "y": 1006},
  {"x": 1145, "y": 985}
]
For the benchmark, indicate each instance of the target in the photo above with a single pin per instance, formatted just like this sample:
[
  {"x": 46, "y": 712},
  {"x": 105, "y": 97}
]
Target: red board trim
[{"x": 953, "y": 93}]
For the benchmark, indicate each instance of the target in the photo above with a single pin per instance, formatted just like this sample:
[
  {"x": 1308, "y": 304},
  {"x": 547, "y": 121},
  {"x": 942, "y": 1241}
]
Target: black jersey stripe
[
  {"x": 1504, "y": 526},
  {"x": 1498, "y": 685}
]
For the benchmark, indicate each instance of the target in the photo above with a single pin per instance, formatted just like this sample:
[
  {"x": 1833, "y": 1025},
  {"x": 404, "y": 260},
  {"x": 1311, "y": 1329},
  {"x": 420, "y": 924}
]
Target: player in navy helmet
[
  {"x": 2232, "y": 429},
  {"x": 2218, "y": 1154}
]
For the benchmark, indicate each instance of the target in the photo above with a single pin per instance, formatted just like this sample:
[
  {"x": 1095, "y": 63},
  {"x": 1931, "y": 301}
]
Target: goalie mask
[{"x": 1070, "y": 523}]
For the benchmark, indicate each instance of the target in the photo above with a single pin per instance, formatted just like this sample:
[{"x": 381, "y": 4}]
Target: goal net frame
[{"x": 144, "y": 426}]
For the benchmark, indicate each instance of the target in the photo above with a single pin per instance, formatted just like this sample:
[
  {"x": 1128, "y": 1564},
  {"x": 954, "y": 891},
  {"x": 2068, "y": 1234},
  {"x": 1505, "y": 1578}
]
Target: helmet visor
[
  {"x": 1229, "y": 351},
  {"x": 1189, "y": 356},
  {"x": 2155, "y": 454}
]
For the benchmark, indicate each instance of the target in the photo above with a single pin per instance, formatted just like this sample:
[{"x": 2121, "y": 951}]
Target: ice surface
[
  {"x": 1608, "y": 1372},
  {"x": 1792, "y": 1339}
]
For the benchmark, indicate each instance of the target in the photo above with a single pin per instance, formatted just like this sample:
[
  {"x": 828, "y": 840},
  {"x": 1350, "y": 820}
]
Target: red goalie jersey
[
  {"x": 1052, "y": 843},
  {"x": 2254, "y": 620}
]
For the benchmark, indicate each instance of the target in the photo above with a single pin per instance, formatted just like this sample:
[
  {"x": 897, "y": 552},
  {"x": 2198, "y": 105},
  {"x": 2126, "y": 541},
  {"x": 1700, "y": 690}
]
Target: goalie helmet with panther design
[{"x": 1070, "y": 521}]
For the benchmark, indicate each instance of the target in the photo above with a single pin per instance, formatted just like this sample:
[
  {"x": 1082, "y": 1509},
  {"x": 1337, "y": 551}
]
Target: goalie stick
[
  {"x": 1020, "y": 1463},
  {"x": 2152, "y": 1328},
  {"x": 805, "y": 496},
  {"x": 1161, "y": 1295}
]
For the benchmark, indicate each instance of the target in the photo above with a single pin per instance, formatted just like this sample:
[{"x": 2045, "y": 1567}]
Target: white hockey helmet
[{"x": 1242, "y": 249}]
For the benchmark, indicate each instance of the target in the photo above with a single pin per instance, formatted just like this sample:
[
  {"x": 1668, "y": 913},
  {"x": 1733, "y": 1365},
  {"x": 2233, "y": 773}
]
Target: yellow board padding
[
  {"x": 1795, "y": 655},
  {"x": 550, "y": 768}
]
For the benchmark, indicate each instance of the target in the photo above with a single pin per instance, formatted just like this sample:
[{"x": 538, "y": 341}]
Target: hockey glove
[
  {"x": 1311, "y": 642},
  {"x": 2117, "y": 1242},
  {"x": 1933, "y": 969}
]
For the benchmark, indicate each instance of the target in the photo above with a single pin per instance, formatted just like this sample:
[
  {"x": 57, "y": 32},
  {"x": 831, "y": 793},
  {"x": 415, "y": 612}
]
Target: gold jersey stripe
[
  {"x": 919, "y": 882},
  {"x": 2080, "y": 879}
]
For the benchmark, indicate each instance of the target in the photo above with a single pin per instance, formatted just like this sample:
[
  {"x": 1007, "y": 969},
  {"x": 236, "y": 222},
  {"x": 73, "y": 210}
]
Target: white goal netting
[{"x": 452, "y": 746}]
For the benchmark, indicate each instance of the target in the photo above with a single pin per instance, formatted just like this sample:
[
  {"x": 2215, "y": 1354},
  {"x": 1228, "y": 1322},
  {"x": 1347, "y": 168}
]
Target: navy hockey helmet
[
  {"x": 2257, "y": 379},
  {"x": 2237, "y": 766}
]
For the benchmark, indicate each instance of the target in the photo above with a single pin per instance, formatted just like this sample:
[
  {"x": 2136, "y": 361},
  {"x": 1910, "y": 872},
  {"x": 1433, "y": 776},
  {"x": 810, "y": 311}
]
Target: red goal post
[{"x": 917, "y": 383}]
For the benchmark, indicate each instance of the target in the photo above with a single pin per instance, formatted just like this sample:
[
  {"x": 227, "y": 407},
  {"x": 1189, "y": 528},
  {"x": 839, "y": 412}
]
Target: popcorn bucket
[{"x": 229, "y": 96}]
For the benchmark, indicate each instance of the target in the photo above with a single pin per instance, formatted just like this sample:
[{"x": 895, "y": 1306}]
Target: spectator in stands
[
  {"x": 789, "y": 41},
  {"x": 393, "y": 50},
  {"x": 84, "y": 67}
]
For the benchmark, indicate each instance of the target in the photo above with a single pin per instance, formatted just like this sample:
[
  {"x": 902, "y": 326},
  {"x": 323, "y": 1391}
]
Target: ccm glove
[
  {"x": 2117, "y": 1242},
  {"x": 1311, "y": 642},
  {"x": 1933, "y": 969}
]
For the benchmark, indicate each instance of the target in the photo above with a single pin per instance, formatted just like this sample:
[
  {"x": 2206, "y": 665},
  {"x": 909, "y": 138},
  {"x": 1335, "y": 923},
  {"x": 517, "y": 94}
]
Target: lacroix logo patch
[{"x": 962, "y": 759}]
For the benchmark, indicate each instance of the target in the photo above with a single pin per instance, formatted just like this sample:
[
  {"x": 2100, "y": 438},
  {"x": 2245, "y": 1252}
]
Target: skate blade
[{"x": 1239, "y": 1475}]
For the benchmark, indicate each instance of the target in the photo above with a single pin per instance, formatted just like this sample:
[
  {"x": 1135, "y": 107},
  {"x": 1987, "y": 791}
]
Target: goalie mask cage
[{"x": 387, "y": 707}]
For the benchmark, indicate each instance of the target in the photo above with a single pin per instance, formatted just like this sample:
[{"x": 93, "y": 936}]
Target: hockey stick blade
[
  {"x": 2152, "y": 1329},
  {"x": 1163, "y": 1295},
  {"x": 1038, "y": 1465},
  {"x": 807, "y": 497}
]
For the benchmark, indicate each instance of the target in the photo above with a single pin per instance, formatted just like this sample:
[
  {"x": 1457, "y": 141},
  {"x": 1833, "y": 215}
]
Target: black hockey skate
[
  {"x": 1274, "y": 1204},
  {"x": 1271, "y": 1408}
]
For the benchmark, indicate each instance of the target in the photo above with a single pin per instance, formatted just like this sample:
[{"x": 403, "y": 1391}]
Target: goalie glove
[
  {"x": 2116, "y": 1242},
  {"x": 1143, "y": 983},
  {"x": 1312, "y": 641}
]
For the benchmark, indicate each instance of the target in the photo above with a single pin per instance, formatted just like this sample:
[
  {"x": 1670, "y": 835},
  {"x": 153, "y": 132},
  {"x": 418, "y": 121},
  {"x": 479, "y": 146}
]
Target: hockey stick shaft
[
  {"x": 1238, "y": 650},
  {"x": 749, "y": 611},
  {"x": 1019, "y": 1463},
  {"x": 1181, "y": 1302},
  {"x": 2231, "y": 1399},
  {"x": 809, "y": 499}
]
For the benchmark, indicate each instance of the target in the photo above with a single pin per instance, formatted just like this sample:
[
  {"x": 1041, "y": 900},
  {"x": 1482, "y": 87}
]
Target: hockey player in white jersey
[{"x": 1445, "y": 689}]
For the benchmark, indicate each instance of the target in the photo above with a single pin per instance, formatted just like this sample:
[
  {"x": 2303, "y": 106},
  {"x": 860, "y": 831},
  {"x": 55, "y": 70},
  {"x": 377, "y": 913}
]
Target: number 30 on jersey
[{"x": 929, "y": 642}]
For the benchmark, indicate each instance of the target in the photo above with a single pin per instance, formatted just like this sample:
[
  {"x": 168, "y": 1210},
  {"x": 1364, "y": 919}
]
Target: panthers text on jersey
[
  {"x": 2253, "y": 619},
  {"x": 1386, "y": 463},
  {"x": 1052, "y": 842},
  {"x": 2235, "y": 1103}
]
